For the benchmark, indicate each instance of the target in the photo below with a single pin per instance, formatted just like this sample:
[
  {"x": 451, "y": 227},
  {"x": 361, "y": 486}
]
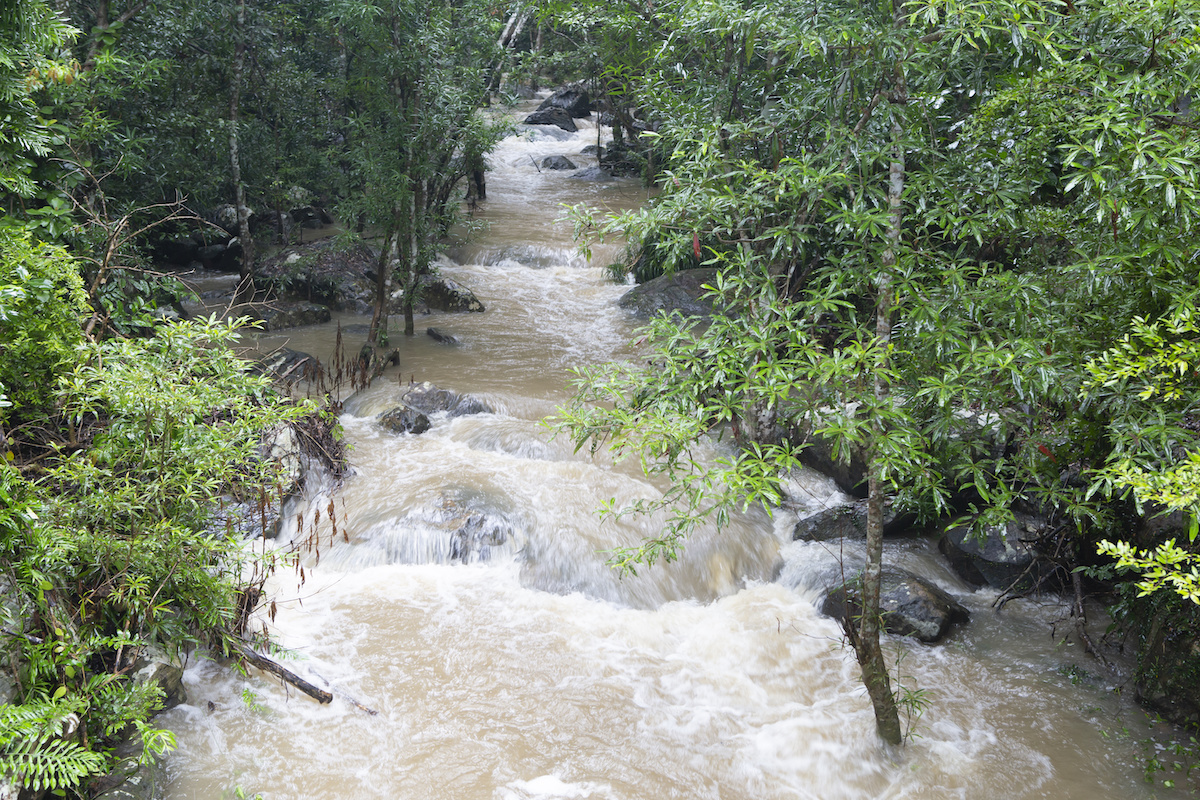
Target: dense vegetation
[{"x": 956, "y": 238}]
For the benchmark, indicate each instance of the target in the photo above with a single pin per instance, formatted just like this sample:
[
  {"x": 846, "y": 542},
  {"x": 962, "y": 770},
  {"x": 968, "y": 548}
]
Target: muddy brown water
[{"x": 534, "y": 671}]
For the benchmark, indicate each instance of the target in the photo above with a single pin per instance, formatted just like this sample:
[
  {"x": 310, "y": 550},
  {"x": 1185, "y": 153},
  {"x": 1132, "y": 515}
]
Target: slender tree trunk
[
  {"x": 245, "y": 288},
  {"x": 866, "y": 641},
  {"x": 377, "y": 333},
  {"x": 414, "y": 261}
]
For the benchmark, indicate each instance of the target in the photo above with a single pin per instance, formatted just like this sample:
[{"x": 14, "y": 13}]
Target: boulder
[
  {"x": 438, "y": 336},
  {"x": 557, "y": 163},
  {"x": 911, "y": 606},
  {"x": 328, "y": 272},
  {"x": 848, "y": 469},
  {"x": 572, "y": 99},
  {"x": 592, "y": 150},
  {"x": 403, "y": 419},
  {"x": 443, "y": 294},
  {"x": 180, "y": 248},
  {"x": 552, "y": 116},
  {"x": 290, "y": 365},
  {"x": 282, "y": 315},
  {"x": 848, "y": 521},
  {"x": 593, "y": 174},
  {"x": 429, "y": 399},
  {"x": 1003, "y": 558},
  {"x": 681, "y": 292},
  {"x": 310, "y": 217},
  {"x": 155, "y": 666},
  {"x": 220, "y": 257}
]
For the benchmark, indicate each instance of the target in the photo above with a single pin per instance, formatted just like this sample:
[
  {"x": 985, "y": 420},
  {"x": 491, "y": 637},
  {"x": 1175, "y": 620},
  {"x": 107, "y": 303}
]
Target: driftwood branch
[{"x": 284, "y": 674}]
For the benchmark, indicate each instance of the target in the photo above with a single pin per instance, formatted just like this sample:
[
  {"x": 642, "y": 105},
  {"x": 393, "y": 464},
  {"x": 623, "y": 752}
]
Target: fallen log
[{"x": 281, "y": 672}]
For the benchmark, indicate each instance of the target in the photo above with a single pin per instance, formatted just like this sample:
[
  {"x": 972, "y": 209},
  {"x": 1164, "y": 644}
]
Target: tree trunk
[
  {"x": 245, "y": 288},
  {"x": 377, "y": 335},
  {"x": 866, "y": 641}
]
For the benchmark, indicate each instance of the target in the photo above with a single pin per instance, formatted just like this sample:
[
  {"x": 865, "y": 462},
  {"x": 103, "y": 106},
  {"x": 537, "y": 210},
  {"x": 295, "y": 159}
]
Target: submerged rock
[
  {"x": 911, "y": 606},
  {"x": 557, "y": 163},
  {"x": 427, "y": 398},
  {"x": 403, "y": 419},
  {"x": 682, "y": 292},
  {"x": 438, "y": 336}
]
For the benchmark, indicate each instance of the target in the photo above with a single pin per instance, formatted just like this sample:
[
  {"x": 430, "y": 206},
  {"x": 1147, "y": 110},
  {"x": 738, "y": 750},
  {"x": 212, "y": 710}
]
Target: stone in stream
[
  {"x": 573, "y": 99},
  {"x": 911, "y": 606},
  {"x": 593, "y": 174},
  {"x": 557, "y": 163},
  {"x": 281, "y": 315},
  {"x": 427, "y": 398},
  {"x": 443, "y": 294},
  {"x": 1003, "y": 558},
  {"x": 848, "y": 521},
  {"x": 438, "y": 336},
  {"x": 682, "y": 292},
  {"x": 552, "y": 116},
  {"x": 403, "y": 419}
]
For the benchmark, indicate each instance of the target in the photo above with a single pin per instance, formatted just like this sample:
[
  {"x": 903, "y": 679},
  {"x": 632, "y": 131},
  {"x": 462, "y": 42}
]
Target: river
[{"x": 534, "y": 671}]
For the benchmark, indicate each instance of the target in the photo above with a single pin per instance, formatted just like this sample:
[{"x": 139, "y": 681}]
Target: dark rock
[
  {"x": 220, "y": 257},
  {"x": 593, "y": 174},
  {"x": 849, "y": 521},
  {"x": 310, "y": 217},
  {"x": 290, "y": 365},
  {"x": 438, "y": 336},
  {"x": 177, "y": 249},
  {"x": 403, "y": 419},
  {"x": 328, "y": 272},
  {"x": 443, "y": 294},
  {"x": 156, "y": 667},
  {"x": 592, "y": 149},
  {"x": 1003, "y": 559},
  {"x": 911, "y": 606},
  {"x": 282, "y": 315},
  {"x": 226, "y": 217},
  {"x": 572, "y": 99},
  {"x": 552, "y": 116},
  {"x": 848, "y": 469},
  {"x": 427, "y": 398},
  {"x": 681, "y": 292},
  {"x": 557, "y": 163}
]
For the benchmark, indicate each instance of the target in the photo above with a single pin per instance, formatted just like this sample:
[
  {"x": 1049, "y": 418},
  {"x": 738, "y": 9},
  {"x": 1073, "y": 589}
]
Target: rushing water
[{"x": 533, "y": 671}]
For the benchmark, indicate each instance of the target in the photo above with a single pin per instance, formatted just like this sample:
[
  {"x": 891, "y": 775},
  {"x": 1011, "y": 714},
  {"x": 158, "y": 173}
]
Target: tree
[
  {"x": 925, "y": 217},
  {"x": 416, "y": 81}
]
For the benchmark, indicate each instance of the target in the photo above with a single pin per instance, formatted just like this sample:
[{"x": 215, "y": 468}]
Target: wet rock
[
  {"x": 572, "y": 99},
  {"x": 552, "y": 116},
  {"x": 290, "y": 365},
  {"x": 592, "y": 149},
  {"x": 403, "y": 419},
  {"x": 443, "y": 294},
  {"x": 848, "y": 521},
  {"x": 329, "y": 272},
  {"x": 1002, "y": 559},
  {"x": 911, "y": 606},
  {"x": 155, "y": 666},
  {"x": 220, "y": 257},
  {"x": 557, "y": 163},
  {"x": 438, "y": 336},
  {"x": 310, "y": 216},
  {"x": 680, "y": 293},
  {"x": 283, "y": 314},
  {"x": 429, "y": 399},
  {"x": 848, "y": 468},
  {"x": 593, "y": 174}
]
